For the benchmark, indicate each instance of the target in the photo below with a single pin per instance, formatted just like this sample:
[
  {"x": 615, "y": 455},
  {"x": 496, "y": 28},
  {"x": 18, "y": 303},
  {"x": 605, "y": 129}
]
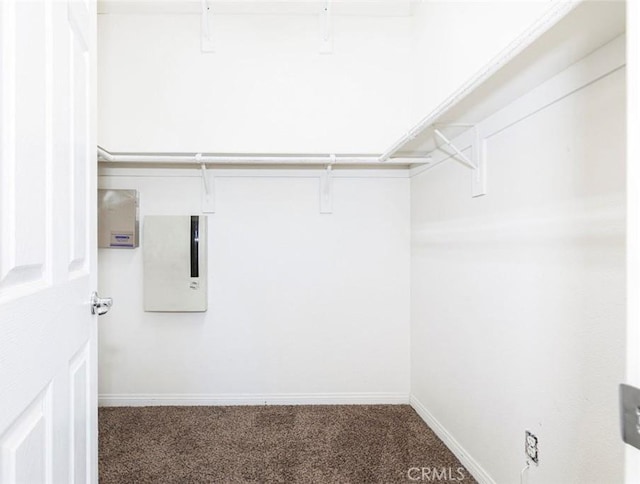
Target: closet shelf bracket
[
  {"x": 477, "y": 161},
  {"x": 206, "y": 26},
  {"x": 462, "y": 158},
  {"x": 208, "y": 184},
  {"x": 326, "y": 187},
  {"x": 326, "y": 40}
]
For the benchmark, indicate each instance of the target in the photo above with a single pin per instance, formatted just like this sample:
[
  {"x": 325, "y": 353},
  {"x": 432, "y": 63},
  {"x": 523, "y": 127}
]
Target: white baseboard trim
[
  {"x": 166, "y": 399},
  {"x": 463, "y": 456}
]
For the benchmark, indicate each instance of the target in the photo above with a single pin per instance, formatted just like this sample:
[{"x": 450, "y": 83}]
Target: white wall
[
  {"x": 518, "y": 318},
  {"x": 302, "y": 306},
  {"x": 266, "y": 89}
]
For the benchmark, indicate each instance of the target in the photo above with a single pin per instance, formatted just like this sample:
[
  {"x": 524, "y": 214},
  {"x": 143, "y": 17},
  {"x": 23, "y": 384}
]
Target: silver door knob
[{"x": 100, "y": 305}]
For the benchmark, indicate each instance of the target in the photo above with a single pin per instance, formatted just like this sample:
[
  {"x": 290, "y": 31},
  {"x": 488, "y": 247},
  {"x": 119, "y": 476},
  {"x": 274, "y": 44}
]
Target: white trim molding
[
  {"x": 181, "y": 399},
  {"x": 474, "y": 468}
]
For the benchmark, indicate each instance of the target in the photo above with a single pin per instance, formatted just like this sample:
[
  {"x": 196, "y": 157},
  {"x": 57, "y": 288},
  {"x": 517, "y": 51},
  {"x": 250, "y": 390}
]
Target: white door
[{"x": 48, "y": 408}]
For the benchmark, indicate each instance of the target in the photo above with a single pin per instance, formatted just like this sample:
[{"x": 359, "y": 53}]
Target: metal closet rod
[{"x": 200, "y": 158}]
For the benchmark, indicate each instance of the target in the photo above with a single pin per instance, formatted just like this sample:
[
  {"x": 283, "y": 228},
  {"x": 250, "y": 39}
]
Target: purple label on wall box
[{"x": 121, "y": 239}]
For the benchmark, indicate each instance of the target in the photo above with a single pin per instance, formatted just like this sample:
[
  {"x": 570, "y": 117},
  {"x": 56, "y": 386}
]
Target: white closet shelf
[
  {"x": 252, "y": 159},
  {"x": 565, "y": 34}
]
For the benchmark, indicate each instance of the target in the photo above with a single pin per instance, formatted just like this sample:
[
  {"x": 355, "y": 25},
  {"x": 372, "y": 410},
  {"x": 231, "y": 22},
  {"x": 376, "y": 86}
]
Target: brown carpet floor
[{"x": 265, "y": 444}]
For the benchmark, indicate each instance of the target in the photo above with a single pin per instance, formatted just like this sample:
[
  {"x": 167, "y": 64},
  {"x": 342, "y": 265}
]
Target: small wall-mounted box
[
  {"x": 175, "y": 263},
  {"x": 118, "y": 226}
]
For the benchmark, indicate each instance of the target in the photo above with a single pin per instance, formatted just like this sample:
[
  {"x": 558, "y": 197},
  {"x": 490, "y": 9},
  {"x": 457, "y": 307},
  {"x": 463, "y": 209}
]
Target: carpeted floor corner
[{"x": 269, "y": 444}]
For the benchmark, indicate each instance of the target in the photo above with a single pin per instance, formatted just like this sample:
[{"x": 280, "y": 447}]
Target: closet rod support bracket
[
  {"x": 208, "y": 193},
  {"x": 207, "y": 44},
  {"x": 326, "y": 38},
  {"x": 477, "y": 162},
  {"x": 326, "y": 186},
  {"x": 461, "y": 158}
]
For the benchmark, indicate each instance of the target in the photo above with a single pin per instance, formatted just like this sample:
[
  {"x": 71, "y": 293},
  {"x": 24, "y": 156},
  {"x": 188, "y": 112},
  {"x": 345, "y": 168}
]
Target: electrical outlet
[{"x": 531, "y": 446}]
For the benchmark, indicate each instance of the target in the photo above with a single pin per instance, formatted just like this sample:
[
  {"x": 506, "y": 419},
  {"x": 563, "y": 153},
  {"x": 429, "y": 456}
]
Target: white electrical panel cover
[{"x": 175, "y": 263}]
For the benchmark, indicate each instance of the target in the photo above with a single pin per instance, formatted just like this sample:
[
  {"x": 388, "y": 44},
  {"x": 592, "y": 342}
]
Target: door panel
[
  {"x": 80, "y": 114},
  {"x": 80, "y": 413},
  {"x": 48, "y": 393},
  {"x": 23, "y": 184},
  {"x": 26, "y": 447}
]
